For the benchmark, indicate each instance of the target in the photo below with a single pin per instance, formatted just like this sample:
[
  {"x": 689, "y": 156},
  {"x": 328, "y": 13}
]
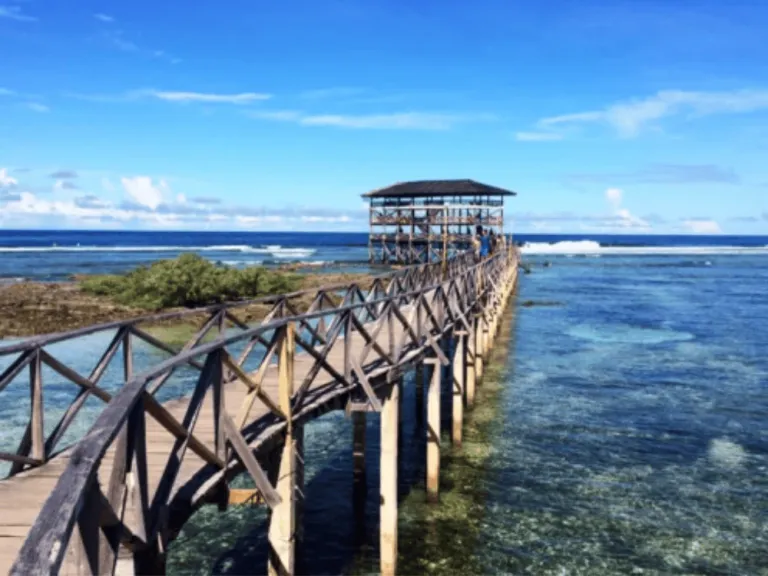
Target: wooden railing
[
  {"x": 34, "y": 448},
  {"x": 380, "y": 331}
]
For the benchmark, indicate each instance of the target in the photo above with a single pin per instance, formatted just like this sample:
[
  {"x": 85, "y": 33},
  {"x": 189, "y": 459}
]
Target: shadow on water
[{"x": 339, "y": 537}]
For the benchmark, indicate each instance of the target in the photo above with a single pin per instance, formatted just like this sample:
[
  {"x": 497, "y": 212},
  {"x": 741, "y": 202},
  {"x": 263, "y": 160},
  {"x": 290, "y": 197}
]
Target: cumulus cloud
[
  {"x": 701, "y": 226},
  {"x": 5, "y": 180},
  {"x": 143, "y": 191},
  {"x": 624, "y": 218},
  {"x": 629, "y": 118},
  {"x": 613, "y": 196}
]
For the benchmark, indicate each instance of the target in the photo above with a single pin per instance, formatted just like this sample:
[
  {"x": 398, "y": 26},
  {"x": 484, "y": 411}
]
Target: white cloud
[
  {"x": 629, "y": 118},
  {"x": 613, "y": 195},
  {"x": 702, "y": 226},
  {"x": 538, "y": 136},
  {"x": 37, "y": 107},
  {"x": 6, "y": 92},
  {"x": 104, "y": 17},
  {"x": 5, "y": 180},
  {"x": 15, "y": 13},
  {"x": 149, "y": 202},
  {"x": 144, "y": 192},
  {"x": 623, "y": 218},
  {"x": 393, "y": 121},
  {"x": 240, "y": 98}
]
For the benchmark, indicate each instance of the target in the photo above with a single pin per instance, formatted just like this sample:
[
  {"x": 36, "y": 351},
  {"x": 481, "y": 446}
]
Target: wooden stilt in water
[
  {"x": 359, "y": 478},
  {"x": 479, "y": 349},
  {"x": 388, "y": 482},
  {"x": 457, "y": 387},
  {"x": 283, "y": 524},
  {"x": 420, "y": 393},
  {"x": 471, "y": 358},
  {"x": 433, "y": 431}
]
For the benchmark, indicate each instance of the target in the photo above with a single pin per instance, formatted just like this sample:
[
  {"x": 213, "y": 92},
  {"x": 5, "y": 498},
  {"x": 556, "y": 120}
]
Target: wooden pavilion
[{"x": 431, "y": 220}]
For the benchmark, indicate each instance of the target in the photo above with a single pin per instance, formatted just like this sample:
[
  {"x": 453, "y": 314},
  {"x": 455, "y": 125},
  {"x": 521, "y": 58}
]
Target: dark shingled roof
[{"x": 421, "y": 188}]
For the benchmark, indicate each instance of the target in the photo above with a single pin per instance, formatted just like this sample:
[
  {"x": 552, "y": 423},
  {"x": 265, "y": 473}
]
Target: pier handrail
[
  {"x": 415, "y": 308},
  {"x": 35, "y": 449}
]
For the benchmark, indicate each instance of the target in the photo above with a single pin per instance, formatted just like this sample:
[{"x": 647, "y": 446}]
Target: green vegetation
[{"x": 188, "y": 281}]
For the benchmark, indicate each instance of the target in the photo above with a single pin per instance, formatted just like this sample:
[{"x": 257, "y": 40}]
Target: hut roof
[{"x": 422, "y": 188}]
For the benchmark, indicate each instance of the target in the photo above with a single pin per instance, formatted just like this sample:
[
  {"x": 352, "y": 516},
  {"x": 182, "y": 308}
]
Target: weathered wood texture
[{"x": 128, "y": 486}]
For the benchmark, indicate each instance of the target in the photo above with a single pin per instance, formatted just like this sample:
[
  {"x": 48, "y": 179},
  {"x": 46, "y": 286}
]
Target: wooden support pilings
[
  {"x": 471, "y": 359},
  {"x": 457, "y": 388},
  {"x": 479, "y": 349},
  {"x": 390, "y": 416},
  {"x": 433, "y": 430},
  {"x": 359, "y": 477},
  {"x": 283, "y": 526}
]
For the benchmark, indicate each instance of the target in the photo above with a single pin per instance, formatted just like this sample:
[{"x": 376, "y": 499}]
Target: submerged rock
[
  {"x": 726, "y": 454},
  {"x": 531, "y": 303}
]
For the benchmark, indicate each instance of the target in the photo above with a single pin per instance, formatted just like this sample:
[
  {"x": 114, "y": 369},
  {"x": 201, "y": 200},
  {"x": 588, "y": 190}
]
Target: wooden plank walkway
[{"x": 22, "y": 496}]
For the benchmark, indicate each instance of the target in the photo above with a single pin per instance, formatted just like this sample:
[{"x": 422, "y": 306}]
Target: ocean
[
  {"x": 55, "y": 255},
  {"x": 621, "y": 430}
]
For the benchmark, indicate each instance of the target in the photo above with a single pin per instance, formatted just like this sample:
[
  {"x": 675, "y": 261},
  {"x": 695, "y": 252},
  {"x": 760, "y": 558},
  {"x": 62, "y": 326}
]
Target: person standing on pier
[
  {"x": 476, "y": 245},
  {"x": 485, "y": 243}
]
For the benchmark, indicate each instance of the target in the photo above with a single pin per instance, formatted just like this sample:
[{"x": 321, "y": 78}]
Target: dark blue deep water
[
  {"x": 57, "y": 254},
  {"x": 627, "y": 434}
]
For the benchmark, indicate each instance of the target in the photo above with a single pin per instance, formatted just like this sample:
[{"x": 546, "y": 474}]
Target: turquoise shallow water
[
  {"x": 630, "y": 438},
  {"x": 634, "y": 437}
]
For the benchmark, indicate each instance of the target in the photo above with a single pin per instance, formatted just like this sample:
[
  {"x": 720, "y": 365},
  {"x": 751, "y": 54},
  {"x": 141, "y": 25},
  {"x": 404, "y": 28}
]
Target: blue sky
[{"x": 613, "y": 117}]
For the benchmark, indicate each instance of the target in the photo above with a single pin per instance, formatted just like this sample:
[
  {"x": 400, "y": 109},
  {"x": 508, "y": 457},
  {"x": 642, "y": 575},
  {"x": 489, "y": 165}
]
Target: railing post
[
  {"x": 283, "y": 524},
  {"x": 36, "y": 408}
]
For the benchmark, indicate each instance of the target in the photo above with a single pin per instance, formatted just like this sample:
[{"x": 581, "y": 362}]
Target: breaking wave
[
  {"x": 275, "y": 251},
  {"x": 592, "y": 248}
]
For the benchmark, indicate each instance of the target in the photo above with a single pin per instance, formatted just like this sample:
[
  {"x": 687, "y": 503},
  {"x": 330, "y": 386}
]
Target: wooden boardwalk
[{"x": 183, "y": 437}]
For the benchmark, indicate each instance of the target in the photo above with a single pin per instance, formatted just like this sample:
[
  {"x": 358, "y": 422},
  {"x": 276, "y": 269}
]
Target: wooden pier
[{"x": 114, "y": 501}]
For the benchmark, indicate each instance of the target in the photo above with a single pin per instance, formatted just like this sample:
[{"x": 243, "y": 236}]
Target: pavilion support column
[
  {"x": 457, "y": 388},
  {"x": 390, "y": 415},
  {"x": 433, "y": 431}
]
